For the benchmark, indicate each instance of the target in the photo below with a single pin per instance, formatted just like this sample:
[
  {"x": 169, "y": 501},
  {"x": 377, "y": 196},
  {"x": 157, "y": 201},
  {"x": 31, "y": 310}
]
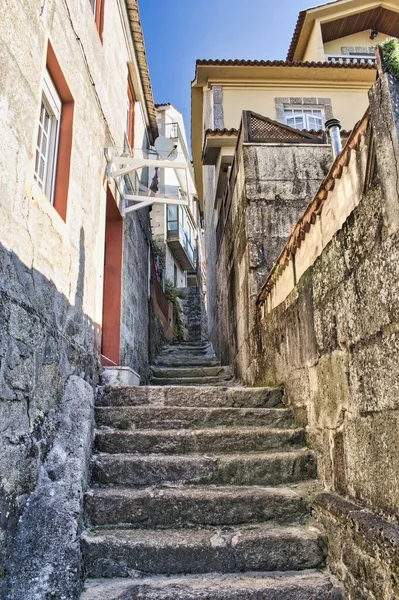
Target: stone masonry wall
[
  {"x": 195, "y": 314},
  {"x": 46, "y": 343},
  {"x": 273, "y": 186},
  {"x": 333, "y": 343}
]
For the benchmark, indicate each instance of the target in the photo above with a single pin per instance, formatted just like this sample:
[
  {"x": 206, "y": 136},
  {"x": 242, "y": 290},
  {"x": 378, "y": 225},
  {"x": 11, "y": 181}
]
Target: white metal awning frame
[{"x": 117, "y": 166}]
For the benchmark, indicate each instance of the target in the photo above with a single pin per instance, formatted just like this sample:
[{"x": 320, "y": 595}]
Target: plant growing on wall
[
  {"x": 174, "y": 294},
  {"x": 390, "y": 53}
]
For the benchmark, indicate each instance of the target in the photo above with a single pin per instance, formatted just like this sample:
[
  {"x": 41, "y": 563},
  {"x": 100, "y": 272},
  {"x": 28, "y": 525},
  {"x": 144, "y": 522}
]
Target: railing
[
  {"x": 188, "y": 246},
  {"x": 177, "y": 229},
  {"x": 348, "y": 58},
  {"x": 172, "y": 130}
]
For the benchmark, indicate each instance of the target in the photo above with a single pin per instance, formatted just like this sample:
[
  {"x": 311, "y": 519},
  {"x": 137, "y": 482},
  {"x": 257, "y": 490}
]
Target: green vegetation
[
  {"x": 173, "y": 294},
  {"x": 390, "y": 53}
]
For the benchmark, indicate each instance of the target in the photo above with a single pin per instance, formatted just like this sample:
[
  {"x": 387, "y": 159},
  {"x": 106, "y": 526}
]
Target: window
[
  {"x": 304, "y": 118},
  {"x": 53, "y": 148},
  {"x": 48, "y": 137},
  {"x": 97, "y": 7}
]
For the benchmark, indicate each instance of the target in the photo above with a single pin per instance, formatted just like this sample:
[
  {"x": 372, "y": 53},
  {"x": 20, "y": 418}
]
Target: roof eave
[{"x": 139, "y": 46}]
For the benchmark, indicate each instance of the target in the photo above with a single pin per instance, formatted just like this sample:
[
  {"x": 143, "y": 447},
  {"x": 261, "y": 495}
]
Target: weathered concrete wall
[
  {"x": 333, "y": 343},
  {"x": 51, "y": 274},
  {"x": 273, "y": 187}
]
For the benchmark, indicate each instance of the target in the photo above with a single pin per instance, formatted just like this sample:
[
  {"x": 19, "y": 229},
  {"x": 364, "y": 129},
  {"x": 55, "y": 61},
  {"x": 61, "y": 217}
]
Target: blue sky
[{"x": 177, "y": 32}]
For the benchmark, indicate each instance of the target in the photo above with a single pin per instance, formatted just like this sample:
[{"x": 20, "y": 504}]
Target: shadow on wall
[{"x": 46, "y": 342}]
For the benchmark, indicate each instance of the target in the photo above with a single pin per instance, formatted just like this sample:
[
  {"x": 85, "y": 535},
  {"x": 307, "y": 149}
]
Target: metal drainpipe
[{"x": 333, "y": 126}]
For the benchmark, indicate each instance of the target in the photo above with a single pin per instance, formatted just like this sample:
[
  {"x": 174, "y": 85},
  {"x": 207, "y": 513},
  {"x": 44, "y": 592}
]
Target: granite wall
[
  {"x": 331, "y": 338},
  {"x": 273, "y": 186}
]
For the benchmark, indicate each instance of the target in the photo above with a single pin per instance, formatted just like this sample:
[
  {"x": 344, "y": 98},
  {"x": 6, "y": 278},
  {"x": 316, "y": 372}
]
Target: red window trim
[
  {"x": 66, "y": 132},
  {"x": 99, "y": 18}
]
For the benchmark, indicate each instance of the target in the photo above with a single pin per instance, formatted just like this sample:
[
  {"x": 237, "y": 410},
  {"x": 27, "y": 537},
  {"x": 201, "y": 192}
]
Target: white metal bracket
[{"x": 117, "y": 166}]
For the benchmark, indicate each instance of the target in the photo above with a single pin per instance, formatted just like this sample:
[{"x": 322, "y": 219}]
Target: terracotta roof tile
[
  {"x": 138, "y": 39},
  {"x": 216, "y": 132},
  {"x": 296, "y": 34},
  {"x": 282, "y": 63},
  {"x": 299, "y": 25}
]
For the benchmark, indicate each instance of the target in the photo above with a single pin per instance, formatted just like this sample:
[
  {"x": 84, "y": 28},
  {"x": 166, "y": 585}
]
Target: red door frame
[{"x": 112, "y": 284}]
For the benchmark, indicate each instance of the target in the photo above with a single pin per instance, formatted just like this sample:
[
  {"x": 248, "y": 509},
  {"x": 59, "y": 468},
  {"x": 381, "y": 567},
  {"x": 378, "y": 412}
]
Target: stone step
[
  {"x": 305, "y": 585},
  {"x": 168, "y": 507},
  {"x": 179, "y": 372},
  {"x": 186, "y": 441},
  {"x": 187, "y": 361},
  {"x": 237, "y": 397},
  {"x": 263, "y": 469},
  {"x": 199, "y": 345},
  {"x": 187, "y": 353},
  {"x": 128, "y": 553},
  {"x": 216, "y": 381},
  {"x": 153, "y": 417}
]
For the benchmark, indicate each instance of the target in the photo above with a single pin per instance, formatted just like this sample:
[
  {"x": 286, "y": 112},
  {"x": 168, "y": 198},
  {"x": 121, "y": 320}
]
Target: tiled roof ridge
[
  {"x": 298, "y": 27},
  {"x": 296, "y": 35},
  {"x": 224, "y": 131},
  {"x": 315, "y": 206},
  {"x": 139, "y": 46},
  {"x": 283, "y": 63},
  {"x": 159, "y": 104}
]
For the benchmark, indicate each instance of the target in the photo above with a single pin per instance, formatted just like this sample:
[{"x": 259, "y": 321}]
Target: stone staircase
[
  {"x": 200, "y": 492},
  {"x": 190, "y": 363}
]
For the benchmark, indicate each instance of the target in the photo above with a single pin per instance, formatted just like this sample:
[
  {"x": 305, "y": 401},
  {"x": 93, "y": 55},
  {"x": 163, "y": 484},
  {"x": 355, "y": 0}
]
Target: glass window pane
[
  {"x": 37, "y": 158},
  {"x": 41, "y": 169},
  {"x": 172, "y": 212},
  {"x": 46, "y": 121}
]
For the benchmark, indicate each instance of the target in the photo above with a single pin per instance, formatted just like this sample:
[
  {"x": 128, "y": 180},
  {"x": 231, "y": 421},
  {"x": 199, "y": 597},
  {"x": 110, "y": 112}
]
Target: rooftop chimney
[{"x": 333, "y": 127}]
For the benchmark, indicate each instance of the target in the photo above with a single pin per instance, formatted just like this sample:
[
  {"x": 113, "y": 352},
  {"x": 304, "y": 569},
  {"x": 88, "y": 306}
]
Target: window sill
[{"x": 44, "y": 205}]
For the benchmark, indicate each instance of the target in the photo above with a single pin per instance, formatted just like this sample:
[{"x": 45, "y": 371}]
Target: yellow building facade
[{"x": 329, "y": 69}]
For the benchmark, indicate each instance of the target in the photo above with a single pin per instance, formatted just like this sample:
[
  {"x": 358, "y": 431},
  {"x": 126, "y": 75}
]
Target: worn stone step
[
  {"x": 179, "y": 372},
  {"x": 187, "y": 441},
  {"x": 202, "y": 344},
  {"x": 188, "y": 352},
  {"x": 188, "y": 361},
  {"x": 127, "y": 553},
  {"x": 153, "y": 417},
  {"x": 304, "y": 585},
  {"x": 176, "y": 507},
  {"x": 235, "y": 397},
  {"x": 216, "y": 381},
  {"x": 264, "y": 469}
]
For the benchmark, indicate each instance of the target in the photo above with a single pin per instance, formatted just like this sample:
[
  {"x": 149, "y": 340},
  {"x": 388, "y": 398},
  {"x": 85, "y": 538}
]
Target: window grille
[
  {"x": 304, "y": 118},
  {"x": 47, "y": 138}
]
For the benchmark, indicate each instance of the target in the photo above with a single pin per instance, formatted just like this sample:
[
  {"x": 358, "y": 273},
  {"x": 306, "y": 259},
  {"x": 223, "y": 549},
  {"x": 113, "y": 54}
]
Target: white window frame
[
  {"x": 302, "y": 110},
  {"x": 46, "y": 151}
]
